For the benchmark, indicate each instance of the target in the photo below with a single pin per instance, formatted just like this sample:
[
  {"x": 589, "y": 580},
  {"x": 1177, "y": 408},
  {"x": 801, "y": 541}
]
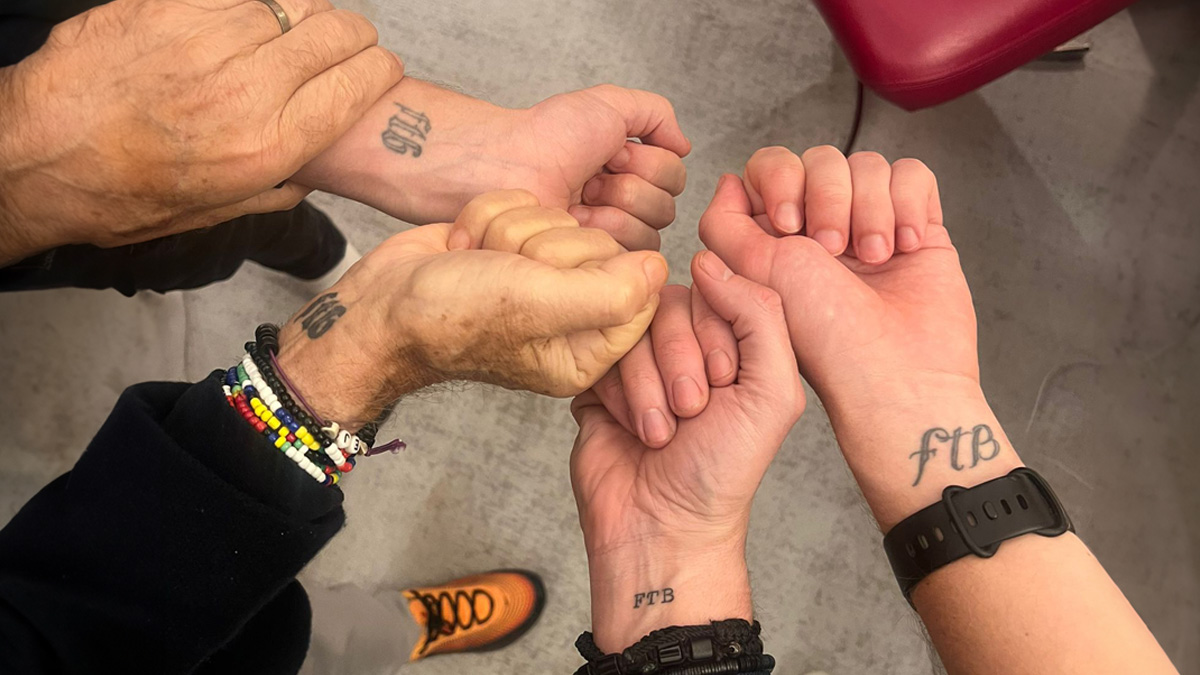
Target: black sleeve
[{"x": 177, "y": 532}]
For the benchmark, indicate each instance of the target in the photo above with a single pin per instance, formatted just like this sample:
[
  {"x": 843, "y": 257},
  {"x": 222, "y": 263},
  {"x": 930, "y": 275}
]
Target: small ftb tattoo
[
  {"x": 984, "y": 447},
  {"x": 648, "y": 598},
  {"x": 406, "y": 132}
]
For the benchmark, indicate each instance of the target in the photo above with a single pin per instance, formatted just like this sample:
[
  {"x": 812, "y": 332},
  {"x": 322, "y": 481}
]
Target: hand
[
  {"x": 676, "y": 518},
  {"x": 890, "y": 347},
  {"x": 669, "y": 373},
  {"x": 142, "y": 118},
  {"x": 572, "y": 151},
  {"x": 545, "y": 306}
]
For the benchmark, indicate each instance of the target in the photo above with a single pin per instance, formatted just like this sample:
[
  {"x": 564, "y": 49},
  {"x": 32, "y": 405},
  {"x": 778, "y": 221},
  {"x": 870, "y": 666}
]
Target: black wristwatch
[{"x": 973, "y": 521}]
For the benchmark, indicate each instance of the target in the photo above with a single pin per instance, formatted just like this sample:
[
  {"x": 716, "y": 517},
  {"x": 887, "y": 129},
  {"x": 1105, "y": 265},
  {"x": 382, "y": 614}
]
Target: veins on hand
[
  {"x": 407, "y": 131},
  {"x": 984, "y": 447}
]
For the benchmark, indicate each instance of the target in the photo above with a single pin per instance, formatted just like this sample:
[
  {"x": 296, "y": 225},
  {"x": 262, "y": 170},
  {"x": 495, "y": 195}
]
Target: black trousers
[{"x": 302, "y": 242}]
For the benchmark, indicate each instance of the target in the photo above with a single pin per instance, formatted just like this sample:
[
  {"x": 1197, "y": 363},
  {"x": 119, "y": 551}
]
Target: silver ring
[{"x": 281, "y": 15}]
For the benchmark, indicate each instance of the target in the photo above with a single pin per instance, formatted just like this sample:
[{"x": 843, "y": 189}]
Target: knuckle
[
  {"x": 622, "y": 190},
  {"x": 768, "y": 300},
  {"x": 821, "y": 152},
  {"x": 829, "y": 192},
  {"x": 911, "y": 164},
  {"x": 868, "y": 158},
  {"x": 771, "y": 152},
  {"x": 624, "y": 302}
]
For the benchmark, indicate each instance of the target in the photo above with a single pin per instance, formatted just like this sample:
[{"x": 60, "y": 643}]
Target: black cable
[{"x": 858, "y": 111}]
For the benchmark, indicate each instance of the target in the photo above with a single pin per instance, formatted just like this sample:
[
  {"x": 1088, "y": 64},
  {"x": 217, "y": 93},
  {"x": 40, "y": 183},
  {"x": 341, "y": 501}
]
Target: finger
[
  {"x": 326, "y": 106},
  {"x": 282, "y": 198},
  {"x": 473, "y": 221},
  {"x": 677, "y": 352},
  {"x": 627, "y": 230},
  {"x": 658, "y": 166},
  {"x": 776, "y": 176},
  {"x": 564, "y": 247},
  {"x": 717, "y": 342},
  {"x": 632, "y": 194},
  {"x": 649, "y": 407},
  {"x": 767, "y": 364},
  {"x": 611, "y": 393},
  {"x": 729, "y": 230},
  {"x": 258, "y": 20},
  {"x": 315, "y": 46},
  {"x": 612, "y": 294},
  {"x": 872, "y": 219},
  {"x": 913, "y": 187},
  {"x": 512, "y": 229},
  {"x": 647, "y": 116},
  {"x": 827, "y": 197}
]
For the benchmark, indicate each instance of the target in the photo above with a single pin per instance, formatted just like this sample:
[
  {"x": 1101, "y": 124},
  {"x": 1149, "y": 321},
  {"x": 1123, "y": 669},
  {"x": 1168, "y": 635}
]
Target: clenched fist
[
  {"x": 544, "y": 305},
  {"x": 142, "y": 118}
]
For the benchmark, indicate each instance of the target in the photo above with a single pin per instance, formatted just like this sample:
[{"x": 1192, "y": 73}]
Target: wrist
[
  {"x": 19, "y": 236},
  {"x": 346, "y": 373},
  {"x": 636, "y": 591},
  {"x": 903, "y": 453}
]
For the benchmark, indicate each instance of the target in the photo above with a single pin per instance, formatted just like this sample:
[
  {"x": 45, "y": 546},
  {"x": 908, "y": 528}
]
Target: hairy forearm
[
  {"x": 1040, "y": 605},
  {"x": 636, "y": 592},
  {"x": 419, "y": 154}
]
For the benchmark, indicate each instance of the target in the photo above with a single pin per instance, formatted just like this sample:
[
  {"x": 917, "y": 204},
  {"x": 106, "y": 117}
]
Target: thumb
[
  {"x": 766, "y": 363},
  {"x": 647, "y": 116},
  {"x": 472, "y": 223},
  {"x": 728, "y": 229}
]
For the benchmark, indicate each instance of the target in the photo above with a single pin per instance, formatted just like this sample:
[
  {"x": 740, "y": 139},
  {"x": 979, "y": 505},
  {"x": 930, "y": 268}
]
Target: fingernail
[
  {"x": 714, "y": 266},
  {"x": 459, "y": 240},
  {"x": 872, "y": 248},
  {"x": 906, "y": 239},
  {"x": 591, "y": 191},
  {"x": 687, "y": 394},
  {"x": 720, "y": 182},
  {"x": 719, "y": 365},
  {"x": 831, "y": 240},
  {"x": 656, "y": 270},
  {"x": 787, "y": 218},
  {"x": 656, "y": 427},
  {"x": 620, "y": 159}
]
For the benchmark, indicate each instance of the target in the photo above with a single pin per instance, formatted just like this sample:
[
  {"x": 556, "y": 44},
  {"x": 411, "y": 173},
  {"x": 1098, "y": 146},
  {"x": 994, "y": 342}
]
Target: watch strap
[{"x": 973, "y": 521}]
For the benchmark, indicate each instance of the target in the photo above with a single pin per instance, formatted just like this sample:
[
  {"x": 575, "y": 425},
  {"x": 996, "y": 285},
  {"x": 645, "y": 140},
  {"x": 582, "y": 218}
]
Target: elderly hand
[
  {"x": 665, "y": 528},
  {"x": 142, "y": 118},
  {"x": 545, "y": 306},
  {"x": 424, "y": 152}
]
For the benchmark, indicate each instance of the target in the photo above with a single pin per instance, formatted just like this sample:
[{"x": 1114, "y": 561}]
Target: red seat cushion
[{"x": 918, "y": 53}]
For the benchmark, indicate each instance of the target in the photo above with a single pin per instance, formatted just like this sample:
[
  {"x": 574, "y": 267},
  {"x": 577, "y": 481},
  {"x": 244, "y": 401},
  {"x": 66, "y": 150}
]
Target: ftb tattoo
[
  {"x": 984, "y": 447},
  {"x": 648, "y": 598},
  {"x": 406, "y": 132},
  {"x": 320, "y": 315}
]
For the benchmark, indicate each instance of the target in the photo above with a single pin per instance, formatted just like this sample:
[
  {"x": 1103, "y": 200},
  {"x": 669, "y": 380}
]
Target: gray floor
[{"x": 1072, "y": 193}]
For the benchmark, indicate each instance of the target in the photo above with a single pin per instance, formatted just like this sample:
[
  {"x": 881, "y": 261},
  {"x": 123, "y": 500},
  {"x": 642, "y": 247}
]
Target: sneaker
[{"x": 477, "y": 613}]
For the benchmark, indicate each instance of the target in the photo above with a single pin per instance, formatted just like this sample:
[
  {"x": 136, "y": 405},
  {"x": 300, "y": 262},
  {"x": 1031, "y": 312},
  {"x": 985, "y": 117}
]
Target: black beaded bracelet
[{"x": 719, "y": 648}]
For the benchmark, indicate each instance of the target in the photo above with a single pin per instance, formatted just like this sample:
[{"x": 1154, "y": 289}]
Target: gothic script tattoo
[
  {"x": 320, "y": 315},
  {"x": 648, "y": 598},
  {"x": 984, "y": 447},
  {"x": 407, "y": 131}
]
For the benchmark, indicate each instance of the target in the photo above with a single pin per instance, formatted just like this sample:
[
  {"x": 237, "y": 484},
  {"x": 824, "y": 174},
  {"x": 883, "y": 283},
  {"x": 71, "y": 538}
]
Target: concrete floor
[{"x": 1071, "y": 193}]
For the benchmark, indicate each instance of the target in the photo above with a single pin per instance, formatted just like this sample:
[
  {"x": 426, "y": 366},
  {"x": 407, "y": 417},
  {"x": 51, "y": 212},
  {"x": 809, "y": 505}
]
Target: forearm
[
  {"x": 1040, "y": 605},
  {"x": 419, "y": 154},
  {"x": 634, "y": 593}
]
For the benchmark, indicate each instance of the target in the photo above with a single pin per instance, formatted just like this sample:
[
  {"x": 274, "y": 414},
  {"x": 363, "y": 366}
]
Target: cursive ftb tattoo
[
  {"x": 320, "y": 315},
  {"x": 984, "y": 447},
  {"x": 406, "y": 132},
  {"x": 665, "y": 596}
]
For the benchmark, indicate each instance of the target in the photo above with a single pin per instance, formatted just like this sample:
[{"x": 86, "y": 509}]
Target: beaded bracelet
[{"x": 259, "y": 390}]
